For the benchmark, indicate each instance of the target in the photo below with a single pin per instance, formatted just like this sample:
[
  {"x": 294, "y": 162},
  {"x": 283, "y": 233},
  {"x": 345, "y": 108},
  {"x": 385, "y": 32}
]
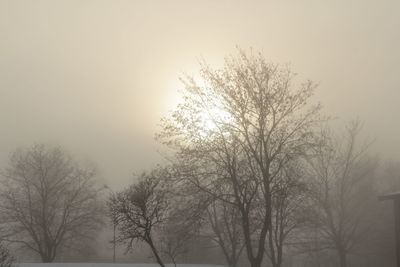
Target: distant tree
[
  {"x": 185, "y": 219},
  {"x": 342, "y": 191},
  {"x": 379, "y": 248},
  {"x": 6, "y": 259},
  {"x": 235, "y": 130},
  {"x": 175, "y": 236},
  {"x": 208, "y": 218},
  {"x": 224, "y": 222},
  {"x": 174, "y": 242},
  {"x": 139, "y": 210},
  {"x": 47, "y": 201}
]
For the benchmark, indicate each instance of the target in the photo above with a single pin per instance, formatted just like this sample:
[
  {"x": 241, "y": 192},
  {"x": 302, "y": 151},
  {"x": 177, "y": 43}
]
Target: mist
[{"x": 96, "y": 77}]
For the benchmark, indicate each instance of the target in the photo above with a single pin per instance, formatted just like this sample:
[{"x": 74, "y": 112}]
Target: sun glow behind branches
[
  {"x": 210, "y": 116},
  {"x": 213, "y": 119}
]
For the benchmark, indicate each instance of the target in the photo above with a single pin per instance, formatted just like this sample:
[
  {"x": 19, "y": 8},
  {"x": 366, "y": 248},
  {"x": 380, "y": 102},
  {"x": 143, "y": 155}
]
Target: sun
[{"x": 213, "y": 119}]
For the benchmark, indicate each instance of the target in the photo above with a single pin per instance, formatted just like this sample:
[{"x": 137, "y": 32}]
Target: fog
[{"x": 96, "y": 76}]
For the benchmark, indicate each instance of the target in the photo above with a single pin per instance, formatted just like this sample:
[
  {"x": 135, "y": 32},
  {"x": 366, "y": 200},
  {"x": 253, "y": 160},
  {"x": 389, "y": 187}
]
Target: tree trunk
[
  {"x": 154, "y": 250},
  {"x": 48, "y": 256}
]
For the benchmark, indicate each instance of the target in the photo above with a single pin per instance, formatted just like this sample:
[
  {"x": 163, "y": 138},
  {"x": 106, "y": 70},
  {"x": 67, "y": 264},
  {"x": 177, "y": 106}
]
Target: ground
[{"x": 58, "y": 264}]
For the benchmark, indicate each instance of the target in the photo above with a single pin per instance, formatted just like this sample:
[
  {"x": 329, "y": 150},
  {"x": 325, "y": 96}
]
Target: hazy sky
[{"x": 96, "y": 76}]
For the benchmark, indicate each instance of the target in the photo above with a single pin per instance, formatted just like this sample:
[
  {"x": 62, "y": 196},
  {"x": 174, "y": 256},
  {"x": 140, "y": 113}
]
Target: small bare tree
[
  {"x": 224, "y": 221},
  {"x": 139, "y": 210},
  {"x": 185, "y": 218},
  {"x": 48, "y": 201},
  {"x": 175, "y": 236}
]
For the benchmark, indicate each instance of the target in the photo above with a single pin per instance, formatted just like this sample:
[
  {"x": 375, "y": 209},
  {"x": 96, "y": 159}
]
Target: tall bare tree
[
  {"x": 47, "y": 200},
  {"x": 235, "y": 130},
  {"x": 342, "y": 190}
]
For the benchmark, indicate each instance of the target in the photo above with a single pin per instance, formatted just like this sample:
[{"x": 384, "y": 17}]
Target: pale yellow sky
[{"x": 96, "y": 76}]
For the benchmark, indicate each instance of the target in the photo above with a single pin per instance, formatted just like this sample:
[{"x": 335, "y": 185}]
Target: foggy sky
[{"x": 96, "y": 76}]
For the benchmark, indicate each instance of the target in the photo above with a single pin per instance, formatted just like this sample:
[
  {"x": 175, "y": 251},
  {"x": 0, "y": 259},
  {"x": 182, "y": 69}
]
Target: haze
[{"x": 97, "y": 76}]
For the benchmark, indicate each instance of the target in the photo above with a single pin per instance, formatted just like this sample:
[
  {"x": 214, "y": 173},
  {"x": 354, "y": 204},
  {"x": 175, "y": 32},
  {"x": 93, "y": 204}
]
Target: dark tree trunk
[{"x": 154, "y": 250}]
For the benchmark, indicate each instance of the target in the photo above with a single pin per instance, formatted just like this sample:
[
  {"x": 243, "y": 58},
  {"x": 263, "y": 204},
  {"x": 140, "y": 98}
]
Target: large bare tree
[
  {"x": 235, "y": 130},
  {"x": 47, "y": 200}
]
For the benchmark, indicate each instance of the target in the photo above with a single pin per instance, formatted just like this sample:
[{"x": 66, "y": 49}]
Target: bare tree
[
  {"x": 139, "y": 210},
  {"x": 185, "y": 219},
  {"x": 342, "y": 190},
  {"x": 197, "y": 214},
  {"x": 48, "y": 201},
  {"x": 174, "y": 243},
  {"x": 235, "y": 131},
  {"x": 176, "y": 235},
  {"x": 224, "y": 221}
]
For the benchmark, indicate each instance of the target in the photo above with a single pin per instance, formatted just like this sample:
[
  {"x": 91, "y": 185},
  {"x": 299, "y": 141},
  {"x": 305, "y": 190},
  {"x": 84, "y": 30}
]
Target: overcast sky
[{"x": 96, "y": 76}]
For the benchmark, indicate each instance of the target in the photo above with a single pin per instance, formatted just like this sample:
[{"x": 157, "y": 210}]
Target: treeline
[{"x": 255, "y": 170}]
